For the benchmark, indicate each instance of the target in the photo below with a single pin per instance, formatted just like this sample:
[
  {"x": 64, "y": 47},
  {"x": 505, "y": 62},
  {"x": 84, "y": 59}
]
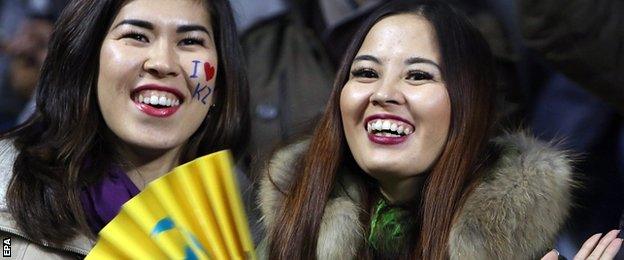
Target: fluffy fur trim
[
  {"x": 515, "y": 213},
  {"x": 341, "y": 212}
]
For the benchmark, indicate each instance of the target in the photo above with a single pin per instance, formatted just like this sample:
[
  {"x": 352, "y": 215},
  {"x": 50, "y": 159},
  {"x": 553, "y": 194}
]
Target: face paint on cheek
[
  {"x": 209, "y": 70},
  {"x": 202, "y": 96},
  {"x": 195, "y": 63},
  {"x": 202, "y": 92}
]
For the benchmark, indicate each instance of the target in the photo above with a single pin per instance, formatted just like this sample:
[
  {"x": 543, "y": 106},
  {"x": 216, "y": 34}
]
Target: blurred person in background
[
  {"x": 26, "y": 29},
  {"x": 582, "y": 100},
  {"x": 291, "y": 67}
]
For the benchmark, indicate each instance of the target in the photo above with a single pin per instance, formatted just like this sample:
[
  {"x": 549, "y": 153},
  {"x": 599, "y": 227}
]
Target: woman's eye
[
  {"x": 364, "y": 73},
  {"x": 136, "y": 37},
  {"x": 191, "y": 41},
  {"x": 419, "y": 75}
]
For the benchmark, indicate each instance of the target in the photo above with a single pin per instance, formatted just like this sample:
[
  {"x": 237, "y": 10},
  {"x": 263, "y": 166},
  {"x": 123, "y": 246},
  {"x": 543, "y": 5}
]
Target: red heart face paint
[
  {"x": 202, "y": 91},
  {"x": 209, "y": 70}
]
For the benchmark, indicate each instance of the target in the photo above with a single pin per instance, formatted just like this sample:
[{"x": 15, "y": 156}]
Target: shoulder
[
  {"x": 8, "y": 153},
  {"x": 520, "y": 204},
  {"x": 20, "y": 248},
  {"x": 23, "y": 248}
]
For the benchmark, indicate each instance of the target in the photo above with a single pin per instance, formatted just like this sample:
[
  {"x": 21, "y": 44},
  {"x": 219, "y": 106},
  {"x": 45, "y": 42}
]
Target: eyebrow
[
  {"x": 192, "y": 27},
  {"x": 150, "y": 26},
  {"x": 414, "y": 60},
  {"x": 368, "y": 58},
  {"x": 135, "y": 22}
]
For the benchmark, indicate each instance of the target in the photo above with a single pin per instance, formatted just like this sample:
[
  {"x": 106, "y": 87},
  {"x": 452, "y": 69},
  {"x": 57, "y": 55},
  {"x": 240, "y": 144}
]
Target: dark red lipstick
[
  {"x": 386, "y": 140},
  {"x": 157, "y": 111}
]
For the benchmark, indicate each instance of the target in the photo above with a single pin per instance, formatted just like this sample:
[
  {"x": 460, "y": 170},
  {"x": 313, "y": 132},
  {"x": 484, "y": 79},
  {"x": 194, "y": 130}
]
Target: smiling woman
[
  {"x": 129, "y": 90},
  {"x": 404, "y": 163}
]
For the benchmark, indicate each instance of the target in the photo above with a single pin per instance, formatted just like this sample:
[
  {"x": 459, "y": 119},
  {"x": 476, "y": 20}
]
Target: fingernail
[{"x": 556, "y": 251}]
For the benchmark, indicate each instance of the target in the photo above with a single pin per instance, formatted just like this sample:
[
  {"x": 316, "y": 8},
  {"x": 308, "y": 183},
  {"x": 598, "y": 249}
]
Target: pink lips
[
  {"x": 386, "y": 140},
  {"x": 153, "y": 111}
]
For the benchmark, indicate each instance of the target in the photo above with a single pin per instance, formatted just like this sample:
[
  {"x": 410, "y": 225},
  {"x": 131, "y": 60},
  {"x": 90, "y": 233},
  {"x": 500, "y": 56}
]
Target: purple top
[{"x": 102, "y": 201}]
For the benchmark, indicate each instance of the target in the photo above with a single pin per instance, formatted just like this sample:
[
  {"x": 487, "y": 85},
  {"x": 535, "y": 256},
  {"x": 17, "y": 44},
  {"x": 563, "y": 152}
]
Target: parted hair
[
  {"x": 66, "y": 145},
  {"x": 468, "y": 72}
]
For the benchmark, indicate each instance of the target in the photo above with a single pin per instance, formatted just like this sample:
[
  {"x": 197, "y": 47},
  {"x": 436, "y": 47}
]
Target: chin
[
  {"x": 393, "y": 168},
  {"x": 153, "y": 142},
  {"x": 383, "y": 167}
]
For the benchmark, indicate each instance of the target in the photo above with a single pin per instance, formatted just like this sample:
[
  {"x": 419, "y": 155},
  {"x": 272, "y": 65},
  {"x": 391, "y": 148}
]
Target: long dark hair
[
  {"x": 67, "y": 127},
  {"x": 468, "y": 73}
]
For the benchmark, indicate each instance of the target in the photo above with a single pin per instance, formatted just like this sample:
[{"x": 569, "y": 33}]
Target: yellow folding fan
[{"x": 192, "y": 212}]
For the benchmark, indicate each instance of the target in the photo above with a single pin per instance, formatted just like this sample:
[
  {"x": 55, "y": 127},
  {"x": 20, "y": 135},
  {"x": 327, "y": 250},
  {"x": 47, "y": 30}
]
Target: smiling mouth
[
  {"x": 389, "y": 128},
  {"x": 157, "y": 101},
  {"x": 156, "y": 98}
]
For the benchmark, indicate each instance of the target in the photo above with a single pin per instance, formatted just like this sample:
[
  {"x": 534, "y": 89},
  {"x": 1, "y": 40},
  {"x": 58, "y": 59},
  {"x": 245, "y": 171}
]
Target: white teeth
[
  {"x": 386, "y": 125},
  {"x": 387, "y": 134},
  {"x": 156, "y": 100},
  {"x": 399, "y": 129},
  {"x": 377, "y": 125}
]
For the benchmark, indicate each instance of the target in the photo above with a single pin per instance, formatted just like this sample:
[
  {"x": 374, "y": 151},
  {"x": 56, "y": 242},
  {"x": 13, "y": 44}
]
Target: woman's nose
[
  {"x": 162, "y": 61},
  {"x": 387, "y": 93}
]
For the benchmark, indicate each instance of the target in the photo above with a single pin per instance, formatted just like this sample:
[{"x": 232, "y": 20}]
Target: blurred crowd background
[{"x": 560, "y": 74}]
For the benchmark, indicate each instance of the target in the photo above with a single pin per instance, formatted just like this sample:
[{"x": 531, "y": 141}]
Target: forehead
[
  {"x": 165, "y": 11},
  {"x": 401, "y": 36}
]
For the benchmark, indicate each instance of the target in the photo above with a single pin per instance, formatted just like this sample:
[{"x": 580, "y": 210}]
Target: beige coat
[
  {"x": 21, "y": 246},
  {"x": 515, "y": 213}
]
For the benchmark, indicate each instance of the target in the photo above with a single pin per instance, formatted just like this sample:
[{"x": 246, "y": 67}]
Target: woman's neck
[
  {"x": 398, "y": 191},
  {"x": 143, "y": 166}
]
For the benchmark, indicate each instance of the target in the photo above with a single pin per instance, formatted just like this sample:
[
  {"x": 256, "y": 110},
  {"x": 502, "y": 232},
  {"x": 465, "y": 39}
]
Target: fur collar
[{"x": 515, "y": 213}]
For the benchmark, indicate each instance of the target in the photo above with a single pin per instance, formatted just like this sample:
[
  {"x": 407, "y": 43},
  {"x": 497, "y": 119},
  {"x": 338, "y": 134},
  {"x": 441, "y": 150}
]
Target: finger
[
  {"x": 612, "y": 249},
  {"x": 587, "y": 247},
  {"x": 552, "y": 255},
  {"x": 602, "y": 245}
]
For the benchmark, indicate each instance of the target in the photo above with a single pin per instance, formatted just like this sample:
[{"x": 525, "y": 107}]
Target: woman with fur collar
[{"x": 403, "y": 163}]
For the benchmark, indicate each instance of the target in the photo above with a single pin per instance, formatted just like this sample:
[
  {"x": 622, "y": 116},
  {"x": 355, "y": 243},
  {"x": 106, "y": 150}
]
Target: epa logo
[{"x": 6, "y": 247}]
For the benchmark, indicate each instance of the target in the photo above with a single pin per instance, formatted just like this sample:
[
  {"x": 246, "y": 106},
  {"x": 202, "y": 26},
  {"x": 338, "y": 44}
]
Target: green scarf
[{"x": 390, "y": 228}]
